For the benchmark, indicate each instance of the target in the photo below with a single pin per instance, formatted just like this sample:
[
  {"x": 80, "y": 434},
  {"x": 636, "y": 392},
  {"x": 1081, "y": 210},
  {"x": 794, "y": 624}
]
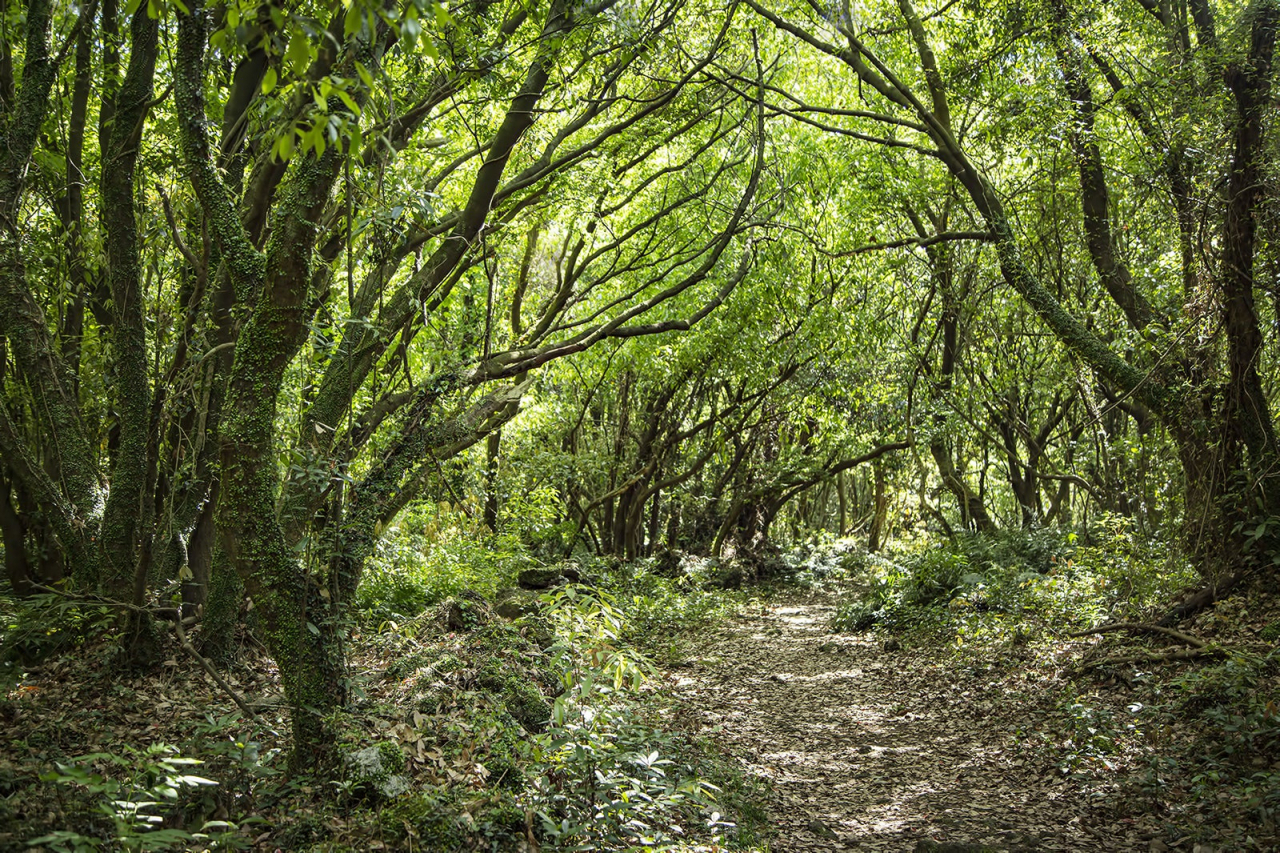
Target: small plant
[
  {"x": 602, "y": 773},
  {"x": 1093, "y": 736},
  {"x": 154, "y": 781}
]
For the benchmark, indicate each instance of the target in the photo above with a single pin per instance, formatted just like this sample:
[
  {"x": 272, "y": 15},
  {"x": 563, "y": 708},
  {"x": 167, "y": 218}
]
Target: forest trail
[{"x": 873, "y": 750}]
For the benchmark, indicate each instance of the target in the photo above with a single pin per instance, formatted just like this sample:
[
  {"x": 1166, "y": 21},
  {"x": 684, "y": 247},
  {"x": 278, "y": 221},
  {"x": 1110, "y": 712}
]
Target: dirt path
[{"x": 868, "y": 749}]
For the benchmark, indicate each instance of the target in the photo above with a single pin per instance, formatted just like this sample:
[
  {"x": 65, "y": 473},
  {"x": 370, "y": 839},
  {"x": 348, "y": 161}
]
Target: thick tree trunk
[{"x": 123, "y": 521}]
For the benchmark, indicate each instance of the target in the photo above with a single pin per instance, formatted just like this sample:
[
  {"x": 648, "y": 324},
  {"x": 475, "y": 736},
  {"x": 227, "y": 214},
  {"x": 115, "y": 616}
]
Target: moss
[
  {"x": 393, "y": 758},
  {"x": 501, "y": 820},
  {"x": 498, "y": 746},
  {"x": 431, "y": 664},
  {"x": 432, "y": 816},
  {"x": 221, "y": 610},
  {"x": 517, "y": 694},
  {"x": 443, "y": 823}
]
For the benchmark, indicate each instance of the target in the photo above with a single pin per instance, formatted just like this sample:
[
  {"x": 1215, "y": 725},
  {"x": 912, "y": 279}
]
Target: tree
[
  {"x": 1154, "y": 345},
  {"x": 310, "y": 321}
]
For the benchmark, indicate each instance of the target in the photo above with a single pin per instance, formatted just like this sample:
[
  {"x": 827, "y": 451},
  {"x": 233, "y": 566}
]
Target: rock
[
  {"x": 464, "y": 611},
  {"x": 821, "y": 830},
  {"x": 455, "y": 617},
  {"x": 373, "y": 770},
  {"x": 538, "y": 631},
  {"x": 541, "y": 578},
  {"x": 666, "y": 562},
  {"x": 729, "y": 576},
  {"x": 512, "y": 603}
]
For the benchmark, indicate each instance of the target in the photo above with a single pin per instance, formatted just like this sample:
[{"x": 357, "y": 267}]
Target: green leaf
[
  {"x": 349, "y": 102},
  {"x": 353, "y": 21},
  {"x": 298, "y": 54},
  {"x": 269, "y": 81}
]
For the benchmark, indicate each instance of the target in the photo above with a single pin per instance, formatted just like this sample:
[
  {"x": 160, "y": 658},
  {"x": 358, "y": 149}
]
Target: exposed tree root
[
  {"x": 1166, "y": 657},
  {"x": 1139, "y": 626},
  {"x": 1205, "y": 597},
  {"x": 1199, "y": 648}
]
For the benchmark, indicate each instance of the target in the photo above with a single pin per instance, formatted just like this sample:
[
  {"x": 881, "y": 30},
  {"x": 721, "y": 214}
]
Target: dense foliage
[{"x": 316, "y": 315}]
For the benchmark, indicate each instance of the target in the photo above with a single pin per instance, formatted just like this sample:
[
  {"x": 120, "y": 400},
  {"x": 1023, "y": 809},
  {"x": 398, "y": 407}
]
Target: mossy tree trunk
[
  {"x": 65, "y": 484},
  {"x": 301, "y": 629},
  {"x": 124, "y": 518}
]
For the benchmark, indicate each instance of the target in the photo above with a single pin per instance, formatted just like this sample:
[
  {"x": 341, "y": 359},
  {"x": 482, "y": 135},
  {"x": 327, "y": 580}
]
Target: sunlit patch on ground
[{"x": 872, "y": 750}]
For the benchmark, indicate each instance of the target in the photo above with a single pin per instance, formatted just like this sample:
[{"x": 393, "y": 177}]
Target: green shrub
[
  {"x": 433, "y": 552},
  {"x": 135, "y": 793},
  {"x": 1043, "y": 573},
  {"x": 604, "y": 773}
]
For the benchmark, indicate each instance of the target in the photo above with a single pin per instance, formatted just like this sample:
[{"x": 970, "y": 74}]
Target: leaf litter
[{"x": 874, "y": 750}]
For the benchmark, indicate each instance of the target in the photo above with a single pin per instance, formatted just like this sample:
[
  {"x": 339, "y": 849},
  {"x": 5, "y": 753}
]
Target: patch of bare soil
[{"x": 869, "y": 749}]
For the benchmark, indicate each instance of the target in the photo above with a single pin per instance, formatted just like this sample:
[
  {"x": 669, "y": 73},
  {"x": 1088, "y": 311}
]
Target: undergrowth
[
  {"x": 1193, "y": 747},
  {"x": 1018, "y": 576},
  {"x": 551, "y": 732}
]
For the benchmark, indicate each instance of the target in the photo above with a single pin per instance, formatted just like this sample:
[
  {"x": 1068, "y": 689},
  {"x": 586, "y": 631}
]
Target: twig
[
  {"x": 1138, "y": 626},
  {"x": 185, "y": 251}
]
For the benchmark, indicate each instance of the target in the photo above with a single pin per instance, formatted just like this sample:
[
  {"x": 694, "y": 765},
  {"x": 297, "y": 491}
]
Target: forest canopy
[{"x": 279, "y": 280}]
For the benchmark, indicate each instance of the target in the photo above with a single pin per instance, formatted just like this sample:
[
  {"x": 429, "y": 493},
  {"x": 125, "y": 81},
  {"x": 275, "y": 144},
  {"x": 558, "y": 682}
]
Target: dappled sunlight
[{"x": 871, "y": 750}]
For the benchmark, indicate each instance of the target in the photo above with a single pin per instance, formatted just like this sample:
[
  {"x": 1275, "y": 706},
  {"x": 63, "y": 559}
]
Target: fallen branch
[
  {"x": 1138, "y": 626},
  {"x": 1167, "y": 657},
  {"x": 178, "y": 624},
  {"x": 1205, "y": 597},
  {"x": 209, "y": 668}
]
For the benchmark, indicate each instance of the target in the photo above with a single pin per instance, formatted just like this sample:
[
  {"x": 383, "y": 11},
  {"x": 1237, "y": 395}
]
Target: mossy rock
[
  {"x": 492, "y": 737},
  {"x": 430, "y": 664},
  {"x": 538, "y": 631},
  {"x": 442, "y": 823},
  {"x": 500, "y": 820},
  {"x": 375, "y": 771},
  {"x": 666, "y": 562},
  {"x": 432, "y": 816},
  {"x": 465, "y": 611},
  {"x": 518, "y": 695},
  {"x": 727, "y": 576},
  {"x": 514, "y": 603},
  {"x": 300, "y": 833},
  {"x": 540, "y": 578}
]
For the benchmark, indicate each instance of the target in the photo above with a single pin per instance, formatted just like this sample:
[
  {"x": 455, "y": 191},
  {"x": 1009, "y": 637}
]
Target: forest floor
[
  {"x": 995, "y": 727},
  {"x": 869, "y": 749}
]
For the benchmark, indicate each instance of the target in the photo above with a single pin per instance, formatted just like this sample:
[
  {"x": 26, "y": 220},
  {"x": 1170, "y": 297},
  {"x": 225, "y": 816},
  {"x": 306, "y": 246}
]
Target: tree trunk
[
  {"x": 492, "y": 446},
  {"x": 880, "y": 516},
  {"x": 16, "y": 564}
]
